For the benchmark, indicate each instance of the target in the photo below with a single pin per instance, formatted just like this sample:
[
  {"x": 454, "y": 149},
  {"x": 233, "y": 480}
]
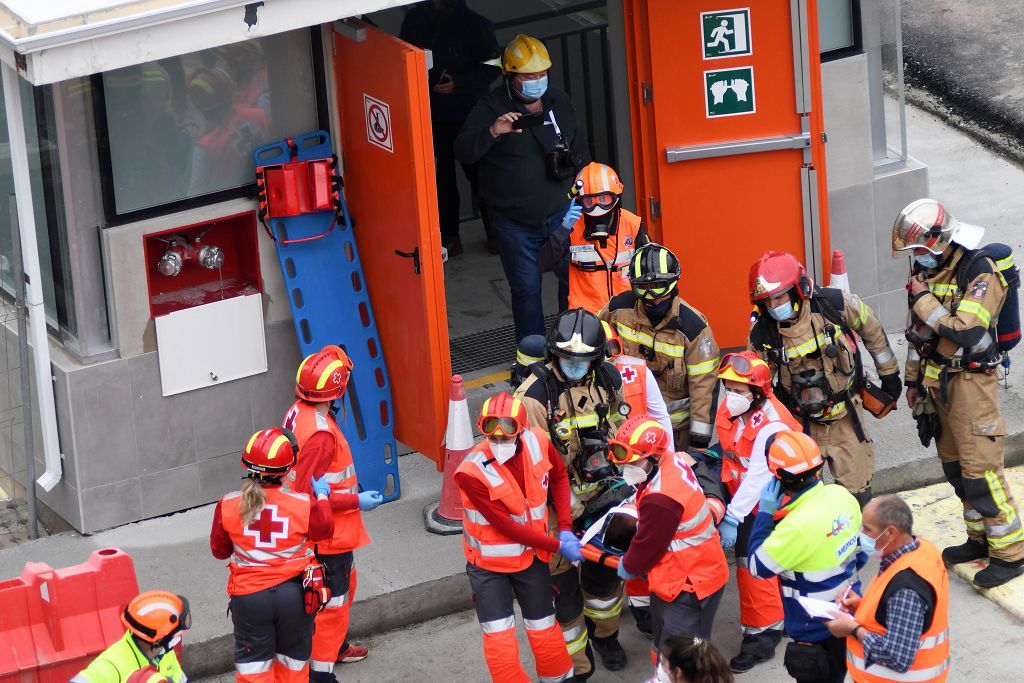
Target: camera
[{"x": 561, "y": 162}]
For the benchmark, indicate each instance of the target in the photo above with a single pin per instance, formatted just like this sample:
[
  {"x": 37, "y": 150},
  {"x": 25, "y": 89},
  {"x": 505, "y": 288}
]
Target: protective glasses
[
  {"x": 500, "y": 426},
  {"x": 601, "y": 200},
  {"x": 649, "y": 293},
  {"x": 740, "y": 364},
  {"x": 621, "y": 454}
]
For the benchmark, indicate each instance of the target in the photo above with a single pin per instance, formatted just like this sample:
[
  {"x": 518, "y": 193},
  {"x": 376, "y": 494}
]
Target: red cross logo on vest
[
  {"x": 756, "y": 419},
  {"x": 628, "y": 374},
  {"x": 267, "y": 529}
]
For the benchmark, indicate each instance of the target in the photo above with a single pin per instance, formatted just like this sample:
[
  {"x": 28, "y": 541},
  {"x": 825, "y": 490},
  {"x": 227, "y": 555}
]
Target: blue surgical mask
[
  {"x": 534, "y": 89},
  {"x": 868, "y": 544},
  {"x": 782, "y": 312},
  {"x": 927, "y": 260},
  {"x": 574, "y": 369}
]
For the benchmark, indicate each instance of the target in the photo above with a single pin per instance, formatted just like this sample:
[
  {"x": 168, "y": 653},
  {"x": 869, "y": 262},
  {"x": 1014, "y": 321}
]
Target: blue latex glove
[
  {"x": 623, "y": 574},
  {"x": 320, "y": 486},
  {"x": 770, "y": 495},
  {"x": 569, "y": 546},
  {"x": 368, "y": 500},
  {"x": 727, "y": 530},
  {"x": 572, "y": 215}
]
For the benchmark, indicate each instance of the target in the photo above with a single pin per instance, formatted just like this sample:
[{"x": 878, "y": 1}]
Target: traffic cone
[
  {"x": 444, "y": 517},
  {"x": 838, "y": 278}
]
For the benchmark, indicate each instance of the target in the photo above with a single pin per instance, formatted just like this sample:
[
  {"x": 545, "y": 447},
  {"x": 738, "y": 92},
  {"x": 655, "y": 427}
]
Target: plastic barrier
[
  {"x": 330, "y": 305},
  {"x": 54, "y": 621}
]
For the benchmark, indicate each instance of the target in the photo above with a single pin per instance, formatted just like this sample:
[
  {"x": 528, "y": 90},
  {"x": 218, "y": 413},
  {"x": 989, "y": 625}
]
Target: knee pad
[
  {"x": 955, "y": 476},
  {"x": 978, "y": 493}
]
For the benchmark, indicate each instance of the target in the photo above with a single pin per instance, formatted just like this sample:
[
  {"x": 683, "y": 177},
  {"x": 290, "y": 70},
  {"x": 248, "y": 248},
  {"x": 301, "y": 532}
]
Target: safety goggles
[
  {"x": 620, "y": 453},
  {"x": 500, "y": 426},
  {"x": 739, "y": 364},
  {"x": 601, "y": 200},
  {"x": 649, "y": 293}
]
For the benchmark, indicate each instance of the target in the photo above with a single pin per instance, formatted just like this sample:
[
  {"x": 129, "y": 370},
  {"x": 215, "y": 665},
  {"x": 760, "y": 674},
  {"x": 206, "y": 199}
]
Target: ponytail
[
  {"x": 698, "y": 659},
  {"x": 253, "y": 499}
]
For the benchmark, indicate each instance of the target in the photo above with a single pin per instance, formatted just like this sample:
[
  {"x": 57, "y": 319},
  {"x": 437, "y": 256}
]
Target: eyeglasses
[
  {"x": 500, "y": 426},
  {"x": 602, "y": 200},
  {"x": 654, "y": 292}
]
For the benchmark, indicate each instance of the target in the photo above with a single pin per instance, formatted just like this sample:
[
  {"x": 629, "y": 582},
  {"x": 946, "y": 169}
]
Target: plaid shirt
[{"x": 905, "y": 613}]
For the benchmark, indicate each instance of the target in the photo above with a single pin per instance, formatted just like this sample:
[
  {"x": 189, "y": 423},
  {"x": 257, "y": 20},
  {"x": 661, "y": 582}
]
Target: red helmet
[
  {"x": 502, "y": 415},
  {"x": 775, "y": 272},
  {"x": 270, "y": 452},
  {"x": 791, "y": 455},
  {"x": 147, "y": 675},
  {"x": 156, "y": 616},
  {"x": 746, "y": 367},
  {"x": 324, "y": 375},
  {"x": 638, "y": 437}
]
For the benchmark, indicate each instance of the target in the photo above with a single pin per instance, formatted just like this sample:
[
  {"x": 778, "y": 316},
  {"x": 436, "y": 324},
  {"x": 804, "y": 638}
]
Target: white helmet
[{"x": 927, "y": 225}]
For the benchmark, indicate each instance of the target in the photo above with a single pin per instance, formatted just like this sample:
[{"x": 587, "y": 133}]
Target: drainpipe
[{"x": 33, "y": 282}]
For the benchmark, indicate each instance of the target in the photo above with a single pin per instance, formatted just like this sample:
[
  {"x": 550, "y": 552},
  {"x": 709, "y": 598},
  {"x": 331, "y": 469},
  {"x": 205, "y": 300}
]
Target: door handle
[{"x": 414, "y": 255}]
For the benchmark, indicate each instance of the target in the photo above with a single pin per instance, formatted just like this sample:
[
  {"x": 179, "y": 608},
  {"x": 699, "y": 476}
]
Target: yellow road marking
[{"x": 486, "y": 379}]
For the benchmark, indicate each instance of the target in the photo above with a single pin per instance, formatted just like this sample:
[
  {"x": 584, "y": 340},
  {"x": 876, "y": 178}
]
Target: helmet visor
[
  {"x": 651, "y": 292},
  {"x": 601, "y": 200},
  {"x": 500, "y": 426}
]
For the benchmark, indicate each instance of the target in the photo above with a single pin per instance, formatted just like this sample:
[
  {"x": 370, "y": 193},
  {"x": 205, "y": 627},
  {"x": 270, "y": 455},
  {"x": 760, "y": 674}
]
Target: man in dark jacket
[
  {"x": 460, "y": 42},
  {"x": 525, "y": 172}
]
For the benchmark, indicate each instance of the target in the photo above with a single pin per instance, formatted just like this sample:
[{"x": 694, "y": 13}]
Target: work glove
[
  {"x": 728, "y": 529},
  {"x": 770, "y": 495},
  {"x": 623, "y": 574},
  {"x": 320, "y": 486},
  {"x": 569, "y": 546},
  {"x": 892, "y": 385},
  {"x": 572, "y": 215},
  {"x": 369, "y": 500}
]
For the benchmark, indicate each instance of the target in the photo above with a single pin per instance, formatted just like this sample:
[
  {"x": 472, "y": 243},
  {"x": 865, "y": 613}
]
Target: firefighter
[
  {"x": 323, "y": 451},
  {"x": 747, "y": 417},
  {"x": 529, "y": 351},
  {"x": 806, "y": 534},
  {"x": 507, "y": 481},
  {"x": 956, "y": 296},
  {"x": 655, "y": 324},
  {"x": 154, "y": 623},
  {"x": 265, "y": 530},
  {"x": 600, "y": 237},
  {"x": 809, "y": 337},
  {"x": 676, "y": 544},
  {"x": 575, "y": 395}
]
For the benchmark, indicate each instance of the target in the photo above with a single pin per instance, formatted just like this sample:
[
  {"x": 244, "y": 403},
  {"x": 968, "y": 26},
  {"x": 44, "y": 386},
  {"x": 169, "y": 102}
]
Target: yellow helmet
[{"x": 525, "y": 55}]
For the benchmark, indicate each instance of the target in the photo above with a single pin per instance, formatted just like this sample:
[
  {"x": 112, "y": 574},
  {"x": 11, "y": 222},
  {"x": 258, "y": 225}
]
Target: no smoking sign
[{"x": 378, "y": 123}]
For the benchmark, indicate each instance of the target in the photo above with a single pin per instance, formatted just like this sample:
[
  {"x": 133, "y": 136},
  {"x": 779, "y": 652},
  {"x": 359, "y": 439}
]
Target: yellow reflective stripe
[
  {"x": 999, "y": 496},
  {"x": 515, "y": 406},
  {"x": 252, "y": 440},
  {"x": 640, "y": 430},
  {"x": 278, "y": 443},
  {"x": 575, "y": 638},
  {"x": 298, "y": 373},
  {"x": 863, "y": 317},
  {"x": 940, "y": 290},
  {"x": 670, "y": 349},
  {"x": 976, "y": 309},
  {"x": 702, "y": 368},
  {"x": 328, "y": 371},
  {"x": 663, "y": 261},
  {"x": 931, "y": 371},
  {"x": 836, "y": 409},
  {"x": 678, "y": 418},
  {"x": 610, "y": 613},
  {"x": 1003, "y": 264},
  {"x": 627, "y": 332},
  {"x": 577, "y": 422},
  {"x": 808, "y": 346}
]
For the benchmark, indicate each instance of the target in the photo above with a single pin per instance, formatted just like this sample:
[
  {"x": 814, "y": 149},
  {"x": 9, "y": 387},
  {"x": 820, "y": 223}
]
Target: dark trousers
[
  {"x": 519, "y": 246},
  {"x": 448, "y": 203},
  {"x": 493, "y": 592},
  {"x": 270, "y": 625},
  {"x": 684, "y": 616},
  {"x": 820, "y": 662}
]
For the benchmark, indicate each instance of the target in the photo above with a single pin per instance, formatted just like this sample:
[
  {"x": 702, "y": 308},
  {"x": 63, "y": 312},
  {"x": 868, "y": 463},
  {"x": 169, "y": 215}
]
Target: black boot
[
  {"x": 965, "y": 552},
  {"x": 755, "y": 649},
  {"x": 863, "y": 497},
  {"x": 612, "y": 655},
  {"x": 589, "y": 652},
  {"x": 998, "y": 572}
]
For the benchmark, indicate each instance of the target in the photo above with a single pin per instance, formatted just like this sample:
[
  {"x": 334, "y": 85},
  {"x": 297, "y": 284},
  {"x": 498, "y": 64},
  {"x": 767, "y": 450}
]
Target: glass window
[
  {"x": 838, "y": 26},
  {"x": 184, "y": 127}
]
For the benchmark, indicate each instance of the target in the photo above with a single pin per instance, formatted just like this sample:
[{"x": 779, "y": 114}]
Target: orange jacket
[
  {"x": 596, "y": 272},
  {"x": 736, "y": 452}
]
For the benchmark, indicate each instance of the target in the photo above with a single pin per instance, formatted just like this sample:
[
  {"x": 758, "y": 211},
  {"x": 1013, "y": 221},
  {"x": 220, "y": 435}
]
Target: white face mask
[
  {"x": 503, "y": 451},
  {"x": 597, "y": 211},
  {"x": 662, "y": 676},
  {"x": 737, "y": 404},
  {"x": 634, "y": 475}
]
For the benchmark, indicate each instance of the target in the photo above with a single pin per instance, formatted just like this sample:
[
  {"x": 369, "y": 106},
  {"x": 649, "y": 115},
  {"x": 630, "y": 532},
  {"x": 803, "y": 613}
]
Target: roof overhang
[{"x": 53, "y": 40}]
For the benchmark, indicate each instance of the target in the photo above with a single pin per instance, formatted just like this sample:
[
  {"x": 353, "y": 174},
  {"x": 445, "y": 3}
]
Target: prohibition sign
[{"x": 378, "y": 123}]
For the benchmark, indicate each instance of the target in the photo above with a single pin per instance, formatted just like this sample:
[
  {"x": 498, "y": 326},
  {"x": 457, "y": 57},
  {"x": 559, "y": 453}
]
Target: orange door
[
  {"x": 726, "y": 103},
  {"x": 388, "y": 162}
]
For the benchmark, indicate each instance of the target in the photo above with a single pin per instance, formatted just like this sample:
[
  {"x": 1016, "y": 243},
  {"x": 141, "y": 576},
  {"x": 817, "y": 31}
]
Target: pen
[{"x": 845, "y": 595}]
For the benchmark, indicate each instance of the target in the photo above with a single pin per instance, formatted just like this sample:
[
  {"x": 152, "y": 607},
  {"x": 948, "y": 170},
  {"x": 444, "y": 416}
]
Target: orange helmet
[
  {"x": 323, "y": 375},
  {"x": 147, "y": 675},
  {"x": 156, "y": 616},
  {"x": 792, "y": 455},
  {"x": 638, "y": 437},
  {"x": 746, "y": 367},
  {"x": 601, "y": 187},
  {"x": 774, "y": 273},
  {"x": 269, "y": 452},
  {"x": 613, "y": 343},
  {"x": 502, "y": 415}
]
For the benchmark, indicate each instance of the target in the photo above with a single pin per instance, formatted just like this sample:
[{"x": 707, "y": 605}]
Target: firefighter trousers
[
  {"x": 971, "y": 450},
  {"x": 851, "y": 461},
  {"x": 273, "y": 635},
  {"x": 760, "y": 600},
  {"x": 332, "y": 623},
  {"x": 590, "y": 594},
  {"x": 493, "y": 593}
]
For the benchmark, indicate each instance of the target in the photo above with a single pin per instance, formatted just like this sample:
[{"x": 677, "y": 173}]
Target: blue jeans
[{"x": 519, "y": 246}]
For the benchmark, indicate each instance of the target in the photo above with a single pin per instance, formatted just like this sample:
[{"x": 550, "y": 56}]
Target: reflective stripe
[
  {"x": 290, "y": 662},
  {"x": 538, "y": 511},
  {"x": 975, "y": 309},
  {"x": 578, "y": 422},
  {"x": 558, "y": 679},
  {"x": 912, "y": 676},
  {"x": 932, "y": 641},
  {"x": 338, "y": 477},
  {"x": 575, "y": 638},
  {"x": 525, "y": 360},
  {"x": 593, "y": 256},
  {"x": 827, "y": 595},
  {"x": 809, "y": 346},
  {"x": 682, "y": 543},
  {"x": 639, "y": 600},
  {"x": 254, "y": 667},
  {"x": 477, "y": 518},
  {"x": 934, "y": 317},
  {"x": 913, "y": 355},
  {"x": 762, "y": 556},
  {"x": 321, "y": 667},
  {"x": 493, "y": 476},
  {"x": 884, "y": 356},
  {"x": 999, "y": 496},
  {"x": 498, "y": 625},
  {"x": 940, "y": 290},
  {"x": 495, "y": 550},
  {"x": 610, "y": 613},
  {"x": 647, "y": 340},
  {"x": 539, "y": 624},
  {"x": 835, "y": 410},
  {"x": 863, "y": 317},
  {"x": 931, "y": 371},
  {"x": 532, "y": 447},
  {"x": 702, "y": 428},
  {"x": 678, "y": 412},
  {"x": 702, "y": 368},
  {"x": 982, "y": 345},
  {"x": 337, "y": 601},
  {"x": 697, "y": 520},
  {"x": 754, "y": 630}
]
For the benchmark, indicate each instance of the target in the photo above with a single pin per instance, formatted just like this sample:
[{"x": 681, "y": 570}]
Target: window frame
[
  {"x": 858, "y": 38},
  {"x": 247, "y": 191}
]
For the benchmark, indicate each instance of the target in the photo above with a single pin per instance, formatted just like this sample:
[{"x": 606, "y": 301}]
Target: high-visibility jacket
[
  {"x": 931, "y": 664},
  {"x": 694, "y": 561},
  {"x": 599, "y": 272},
  {"x": 349, "y": 533},
  {"x": 273, "y": 547},
  {"x": 736, "y": 451},
  {"x": 485, "y": 547},
  {"x": 122, "y": 659},
  {"x": 634, "y": 383}
]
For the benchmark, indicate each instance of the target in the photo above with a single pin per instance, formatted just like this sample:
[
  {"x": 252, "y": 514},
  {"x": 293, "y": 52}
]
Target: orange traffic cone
[
  {"x": 838, "y": 278},
  {"x": 444, "y": 517}
]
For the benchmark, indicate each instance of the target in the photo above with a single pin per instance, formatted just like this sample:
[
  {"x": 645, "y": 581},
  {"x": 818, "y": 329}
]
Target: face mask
[
  {"x": 574, "y": 370},
  {"x": 927, "y": 260},
  {"x": 782, "y": 312},
  {"x": 503, "y": 451},
  {"x": 868, "y": 544},
  {"x": 533, "y": 89},
  {"x": 737, "y": 404},
  {"x": 658, "y": 310},
  {"x": 596, "y": 228},
  {"x": 662, "y": 676},
  {"x": 634, "y": 475}
]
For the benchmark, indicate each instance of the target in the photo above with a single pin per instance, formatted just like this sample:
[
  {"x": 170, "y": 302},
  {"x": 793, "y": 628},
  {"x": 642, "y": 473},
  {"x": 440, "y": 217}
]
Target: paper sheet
[{"x": 819, "y": 609}]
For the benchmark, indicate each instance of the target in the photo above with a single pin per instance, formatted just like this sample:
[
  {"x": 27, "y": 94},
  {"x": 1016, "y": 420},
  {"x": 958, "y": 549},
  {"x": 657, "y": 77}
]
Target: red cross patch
[
  {"x": 628, "y": 374},
  {"x": 544, "y": 481},
  {"x": 756, "y": 419},
  {"x": 268, "y": 528}
]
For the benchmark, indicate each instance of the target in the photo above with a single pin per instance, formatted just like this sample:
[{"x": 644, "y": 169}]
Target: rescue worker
[
  {"x": 575, "y": 395},
  {"x": 323, "y": 452},
  {"x": 529, "y": 351},
  {"x": 955, "y": 300},
  {"x": 899, "y": 630},
  {"x": 806, "y": 534},
  {"x": 507, "y": 481},
  {"x": 809, "y": 337},
  {"x": 674, "y": 338},
  {"x": 600, "y": 237},
  {"x": 676, "y": 543},
  {"x": 265, "y": 530},
  {"x": 747, "y": 417},
  {"x": 155, "y": 622}
]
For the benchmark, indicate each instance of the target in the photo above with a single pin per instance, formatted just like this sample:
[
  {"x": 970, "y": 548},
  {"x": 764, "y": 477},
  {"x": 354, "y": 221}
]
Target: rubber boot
[
  {"x": 612, "y": 655},
  {"x": 965, "y": 552},
  {"x": 756, "y": 649},
  {"x": 998, "y": 572}
]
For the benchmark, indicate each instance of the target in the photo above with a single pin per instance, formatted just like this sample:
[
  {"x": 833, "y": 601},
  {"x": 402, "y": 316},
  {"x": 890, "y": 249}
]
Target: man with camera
[
  {"x": 527, "y": 139},
  {"x": 576, "y": 394}
]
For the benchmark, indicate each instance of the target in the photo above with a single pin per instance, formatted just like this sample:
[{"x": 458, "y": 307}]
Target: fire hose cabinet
[{"x": 206, "y": 299}]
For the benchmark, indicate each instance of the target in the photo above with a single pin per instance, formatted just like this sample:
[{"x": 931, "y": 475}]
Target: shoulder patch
[
  {"x": 533, "y": 388},
  {"x": 621, "y": 301},
  {"x": 834, "y": 297},
  {"x": 613, "y": 374},
  {"x": 979, "y": 264},
  {"x": 321, "y": 420},
  {"x": 689, "y": 321}
]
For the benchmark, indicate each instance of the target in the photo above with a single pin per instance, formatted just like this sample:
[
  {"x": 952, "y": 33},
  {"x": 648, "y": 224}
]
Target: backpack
[{"x": 1007, "y": 325}]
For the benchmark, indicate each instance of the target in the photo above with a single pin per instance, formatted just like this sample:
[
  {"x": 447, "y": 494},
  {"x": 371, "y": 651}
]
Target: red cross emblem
[
  {"x": 756, "y": 419},
  {"x": 268, "y": 528},
  {"x": 628, "y": 374},
  {"x": 544, "y": 481}
]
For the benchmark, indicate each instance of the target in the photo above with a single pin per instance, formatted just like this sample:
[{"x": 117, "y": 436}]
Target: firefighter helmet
[
  {"x": 210, "y": 88},
  {"x": 774, "y": 273},
  {"x": 746, "y": 367},
  {"x": 525, "y": 55},
  {"x": 156, "y": 616},
  {"x": 601, "y": 188},
  {"x": 638, "y": 437},
  {"x": 793, "y": 455},
  {"x": 502, "y": 415},
  {"x": 270, "y": 452},
  {"x": 576, "y": 334},
  {"x": 653, "y": 271},
  {"x": 323, "y": 376},
  {"x": 925, "y": 224}
]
